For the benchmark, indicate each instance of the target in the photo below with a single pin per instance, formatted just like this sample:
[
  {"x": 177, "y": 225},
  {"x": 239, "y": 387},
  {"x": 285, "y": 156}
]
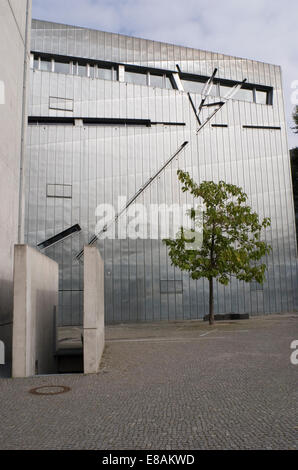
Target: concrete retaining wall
[
  {"x": 36, "y": 284},
  {"x": 94, "y": 336}
]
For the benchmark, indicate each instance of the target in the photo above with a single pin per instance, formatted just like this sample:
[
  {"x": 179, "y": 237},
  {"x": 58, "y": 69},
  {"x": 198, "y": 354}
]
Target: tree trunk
[{"x": 211, "y": 302}]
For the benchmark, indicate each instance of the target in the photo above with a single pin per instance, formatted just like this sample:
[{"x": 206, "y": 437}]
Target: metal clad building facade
[{"x": 75, "y": 164}]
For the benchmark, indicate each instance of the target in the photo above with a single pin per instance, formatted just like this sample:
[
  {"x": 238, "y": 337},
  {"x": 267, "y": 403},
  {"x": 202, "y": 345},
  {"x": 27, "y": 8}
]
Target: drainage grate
[{"x": 50, "y": 390}]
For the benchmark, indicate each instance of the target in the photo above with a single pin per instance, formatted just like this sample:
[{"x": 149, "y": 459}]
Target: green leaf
[{"x": 232, "y": 235}]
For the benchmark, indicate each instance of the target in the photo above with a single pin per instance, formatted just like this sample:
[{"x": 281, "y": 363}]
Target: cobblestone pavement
[{"x": 168, "y": 386}]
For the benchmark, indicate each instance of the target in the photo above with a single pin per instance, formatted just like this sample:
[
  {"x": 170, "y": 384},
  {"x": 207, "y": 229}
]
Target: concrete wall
[
  {"x": 36, "y": 284},
  {"x": 94, "y": 336},
  {"x": 14, "y": 38}
]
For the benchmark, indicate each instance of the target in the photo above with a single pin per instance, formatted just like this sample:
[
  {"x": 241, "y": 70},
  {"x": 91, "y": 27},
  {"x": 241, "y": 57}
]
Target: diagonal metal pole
[
  {"x": 194, "y": 108},
  {"x": 207, "y": 90},
  {"x": 133, "y": 199}
]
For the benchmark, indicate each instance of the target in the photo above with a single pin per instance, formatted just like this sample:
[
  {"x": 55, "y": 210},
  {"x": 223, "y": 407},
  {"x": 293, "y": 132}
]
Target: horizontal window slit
[
  {"x": 87, "y": 121},
  {"x": 168, "y": 123},
  {"x": 63, "y": 191},
  {"x": 148, "y": 76},
  {"x": 97, "y": 121},
  {"x": 277, "y": 128}
]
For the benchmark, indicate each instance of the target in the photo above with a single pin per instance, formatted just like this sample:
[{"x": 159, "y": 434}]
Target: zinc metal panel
[{"x": 103, "y": 162}]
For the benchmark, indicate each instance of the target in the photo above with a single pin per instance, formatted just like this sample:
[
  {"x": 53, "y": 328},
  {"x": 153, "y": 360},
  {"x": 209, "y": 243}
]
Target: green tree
[
  {"x": 295, "y": 117},
  {"x": 231, "y": 243}
]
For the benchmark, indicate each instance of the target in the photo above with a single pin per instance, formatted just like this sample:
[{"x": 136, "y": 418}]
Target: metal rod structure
[
  {"x": 205, "y": 93},
  {"x": 206, "y": 90},
  {"x": 220, "y": 104},
  {"x": 210, "y": 105},
  {"x": 234, "y": 90},
  {"x": 209, "y": 118},
  {"x": 194, "y": 108}
]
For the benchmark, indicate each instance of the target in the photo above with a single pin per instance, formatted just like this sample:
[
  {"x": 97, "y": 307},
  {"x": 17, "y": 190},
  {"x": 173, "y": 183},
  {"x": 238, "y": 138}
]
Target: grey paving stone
[{"x": 233, "y": 388}]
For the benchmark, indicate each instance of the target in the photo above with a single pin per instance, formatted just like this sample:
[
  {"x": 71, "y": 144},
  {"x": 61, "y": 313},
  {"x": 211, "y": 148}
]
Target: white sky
[{"x": 265, "y": 30}]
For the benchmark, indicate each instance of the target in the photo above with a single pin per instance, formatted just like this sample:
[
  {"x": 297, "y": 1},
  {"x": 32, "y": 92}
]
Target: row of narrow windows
[
  {"x": 104, "y": 73},
  {"x": 160, "y": 80}
]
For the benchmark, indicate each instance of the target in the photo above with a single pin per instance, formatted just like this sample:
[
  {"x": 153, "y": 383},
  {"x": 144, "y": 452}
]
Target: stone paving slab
[
  {"x": 233, "y": 388},
  {"x": 70, "y": 336}
]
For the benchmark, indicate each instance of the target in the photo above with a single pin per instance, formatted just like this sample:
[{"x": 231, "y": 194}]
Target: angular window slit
[{"x": 60, "y": 237}]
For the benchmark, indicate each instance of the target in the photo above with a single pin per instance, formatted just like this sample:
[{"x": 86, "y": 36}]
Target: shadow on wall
[
  {"x": 6, "y": 338},
  {"x": 6, "y": 294},
  {"x": 45, "y": 334}
]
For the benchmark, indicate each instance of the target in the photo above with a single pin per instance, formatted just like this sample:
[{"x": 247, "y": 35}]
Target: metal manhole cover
[{"x": 50, "y": 390}]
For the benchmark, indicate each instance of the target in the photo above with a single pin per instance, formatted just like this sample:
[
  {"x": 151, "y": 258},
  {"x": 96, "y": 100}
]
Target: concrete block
[
  {"x": 94, "y": 335},
  {"x": 36, "y": 284}
]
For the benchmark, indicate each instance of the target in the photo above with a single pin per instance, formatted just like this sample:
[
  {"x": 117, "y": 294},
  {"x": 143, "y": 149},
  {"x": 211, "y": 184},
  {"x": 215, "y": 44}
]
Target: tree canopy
[{"x": 232, "y": 244}]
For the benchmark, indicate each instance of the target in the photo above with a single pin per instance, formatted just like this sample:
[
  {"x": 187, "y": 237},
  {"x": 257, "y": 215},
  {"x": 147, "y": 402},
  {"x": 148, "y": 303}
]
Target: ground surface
[{"x": 168, "y": 386}]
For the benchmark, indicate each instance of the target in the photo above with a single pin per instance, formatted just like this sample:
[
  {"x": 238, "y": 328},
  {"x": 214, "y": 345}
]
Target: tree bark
[
  {"x": 211, "y": 295},
  {"x": 211, "y": 302}
]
